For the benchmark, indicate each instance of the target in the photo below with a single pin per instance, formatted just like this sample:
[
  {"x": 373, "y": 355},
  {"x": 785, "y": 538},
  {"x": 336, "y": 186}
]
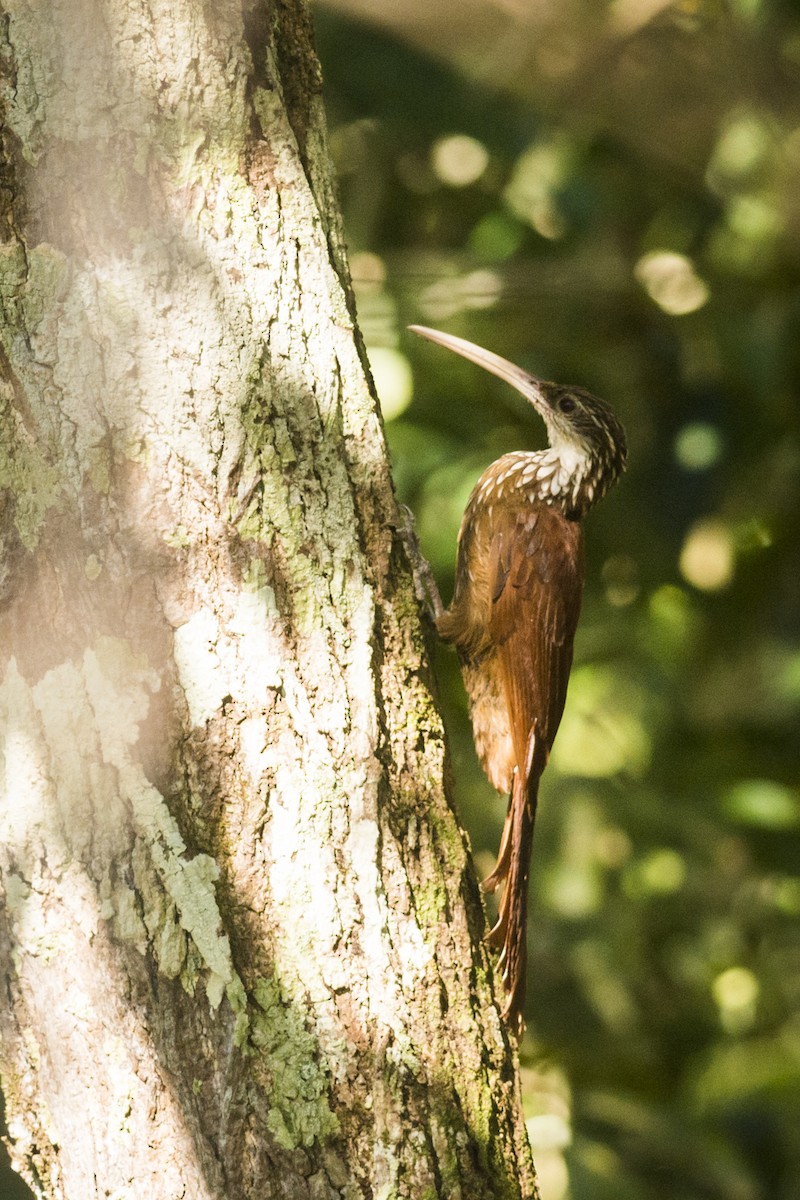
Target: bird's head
[
  {"x": 579, "y": 424},
  {"x": 583, "y": 431}
]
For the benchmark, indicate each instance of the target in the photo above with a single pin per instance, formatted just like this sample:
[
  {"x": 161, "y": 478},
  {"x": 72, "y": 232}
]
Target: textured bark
[{"x": 239, "y": 930}]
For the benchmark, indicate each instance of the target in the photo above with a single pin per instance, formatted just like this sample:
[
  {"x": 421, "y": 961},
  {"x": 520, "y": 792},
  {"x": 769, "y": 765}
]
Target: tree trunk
[{"x": 240, "y": 932}]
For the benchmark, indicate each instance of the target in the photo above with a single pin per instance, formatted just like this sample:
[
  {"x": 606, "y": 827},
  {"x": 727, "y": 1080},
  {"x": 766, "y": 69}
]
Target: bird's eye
[{"x": 566, "y": 404}]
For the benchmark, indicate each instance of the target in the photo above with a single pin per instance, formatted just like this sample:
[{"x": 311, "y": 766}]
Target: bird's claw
[{"x": 424, "y": 583}]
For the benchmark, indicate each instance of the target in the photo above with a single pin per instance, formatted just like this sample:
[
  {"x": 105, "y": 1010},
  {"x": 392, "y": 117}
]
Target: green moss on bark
[{"x": 300, "y": 1113}]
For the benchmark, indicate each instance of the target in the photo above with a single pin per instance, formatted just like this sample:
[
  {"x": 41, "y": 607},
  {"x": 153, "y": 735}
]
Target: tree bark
[{"x": 240, "y": 932}]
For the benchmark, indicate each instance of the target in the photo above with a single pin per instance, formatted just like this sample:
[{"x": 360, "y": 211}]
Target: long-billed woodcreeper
[{"x": 519, "y": 579}]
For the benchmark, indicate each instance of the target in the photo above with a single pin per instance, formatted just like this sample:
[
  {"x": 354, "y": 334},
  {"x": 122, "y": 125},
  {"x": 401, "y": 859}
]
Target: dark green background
[{"x": 663, "y": 1048}]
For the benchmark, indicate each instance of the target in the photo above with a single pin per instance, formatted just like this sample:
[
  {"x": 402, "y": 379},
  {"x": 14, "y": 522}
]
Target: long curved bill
[{"x": 528, "y": 385}]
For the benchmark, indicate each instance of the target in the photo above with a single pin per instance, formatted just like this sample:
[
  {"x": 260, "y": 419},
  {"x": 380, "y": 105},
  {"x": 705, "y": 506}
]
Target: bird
[{"x": 514, "y": 612}]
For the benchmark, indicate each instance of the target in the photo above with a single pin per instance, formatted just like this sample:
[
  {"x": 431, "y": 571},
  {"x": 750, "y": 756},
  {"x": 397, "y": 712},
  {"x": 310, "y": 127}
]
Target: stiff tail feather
[{"x": 513, "y": 866}]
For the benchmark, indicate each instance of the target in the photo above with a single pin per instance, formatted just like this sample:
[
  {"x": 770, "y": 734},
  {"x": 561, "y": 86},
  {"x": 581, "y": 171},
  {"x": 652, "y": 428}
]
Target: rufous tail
[{"x": 513, "y": 865}]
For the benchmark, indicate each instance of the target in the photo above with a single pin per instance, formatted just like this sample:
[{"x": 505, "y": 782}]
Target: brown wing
[{"x": 536, "y": 579}]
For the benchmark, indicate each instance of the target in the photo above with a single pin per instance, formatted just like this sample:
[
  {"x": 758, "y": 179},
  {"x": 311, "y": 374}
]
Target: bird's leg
[{"x": 424, "y": 584}]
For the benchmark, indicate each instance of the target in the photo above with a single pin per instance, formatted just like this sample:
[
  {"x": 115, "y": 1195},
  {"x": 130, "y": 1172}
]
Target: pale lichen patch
[
  {"x": 128, "y": 924},
  {"x": 16, "y": 891},
  {"x": 26, "y": 472},
  {"x": 189, "y": 882},
  {"x": 118, "y": 684},
  {"x": 169, "y": 944},
  {"x": 300, "y": 1112},
  {"x": 48, "y": 271},
  {"x": 25, "y": 784}
]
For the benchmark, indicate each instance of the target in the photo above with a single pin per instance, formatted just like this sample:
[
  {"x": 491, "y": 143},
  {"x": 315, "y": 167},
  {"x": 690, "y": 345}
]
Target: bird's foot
[{"x": 424, "y": 583}]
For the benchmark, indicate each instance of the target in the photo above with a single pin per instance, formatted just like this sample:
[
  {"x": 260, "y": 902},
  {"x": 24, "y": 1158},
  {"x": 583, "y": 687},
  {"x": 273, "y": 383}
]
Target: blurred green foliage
[{"x": 627, "y": 217}]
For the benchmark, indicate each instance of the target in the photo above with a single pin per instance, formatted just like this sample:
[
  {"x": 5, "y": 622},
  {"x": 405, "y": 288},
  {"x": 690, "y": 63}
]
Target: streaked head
[{"x": 580, "y": 427}]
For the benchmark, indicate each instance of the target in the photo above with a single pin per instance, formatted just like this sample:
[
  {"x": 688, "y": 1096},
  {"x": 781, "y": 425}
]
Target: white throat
[{"x": 572, "y": 464}]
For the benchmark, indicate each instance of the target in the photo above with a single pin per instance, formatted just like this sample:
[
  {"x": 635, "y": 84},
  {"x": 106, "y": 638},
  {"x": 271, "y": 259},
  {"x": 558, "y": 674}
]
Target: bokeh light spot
[
  {"x": 549, "y": 1131},
  {"x": 440, "y": 300},
  {"x": 741, "y": 146},
  {"x": 748, "y": 10},
  {"x": 765, "y": 803},
  {"x": 550, "y": 1135},
  {"x": 573, "y": 891},
  {"x": 394, "y": 381},
  {"x": 532, "y": 194},
  {"x": 698, "y": 446},
  {"x": 612, "y": 847},
  {"x": 735, "y": 991},
  {"x": 368, "y": 270},
  {"x": 672, "y": 612},
  {"x": 754, "y": 218},
  {"x": 621, "y": 577},
  {"x": 671, "y": 281},
  {"x": 752, "y": 535},
  {"x": 602, "y": 732},
  {"x": 459, "y": 160},
  {"x": 626, "y": 16},
  {"x": 789, "y": 675},
  {"x": 786, "y": 895},
  {"x": 481, "y": 289},
  {"x": 496, "y": 237},
  {"x": 663, "y": 871},
  {"x": 707, "y": 559},
  {"x": 658, "y": 873}
]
